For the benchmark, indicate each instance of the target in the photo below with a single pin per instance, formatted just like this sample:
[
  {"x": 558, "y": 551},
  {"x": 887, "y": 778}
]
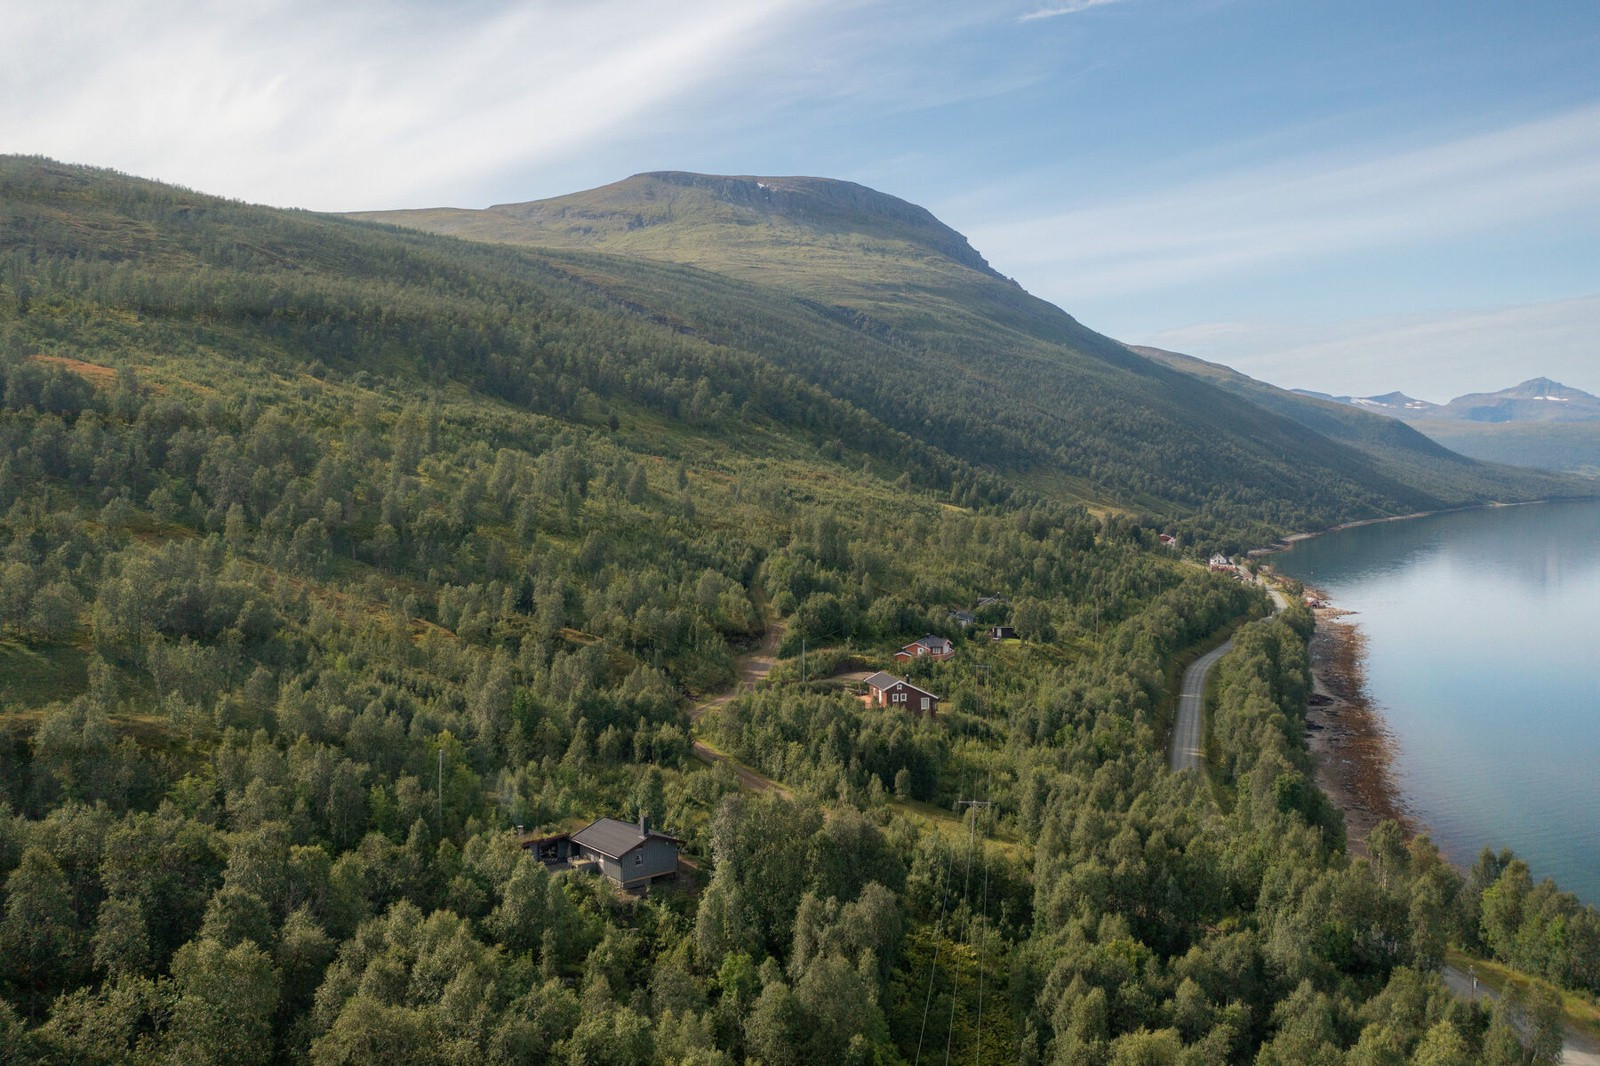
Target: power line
[
  {"x": 983, "y": 929},
  {"x": 927, "y": 1000},
  {"x": 972, "y": 806}
]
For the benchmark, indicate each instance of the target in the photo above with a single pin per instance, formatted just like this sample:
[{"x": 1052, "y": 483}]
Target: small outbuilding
[
  {"x": 886, "y": 690},
  {"x": 999, "y": 633}
]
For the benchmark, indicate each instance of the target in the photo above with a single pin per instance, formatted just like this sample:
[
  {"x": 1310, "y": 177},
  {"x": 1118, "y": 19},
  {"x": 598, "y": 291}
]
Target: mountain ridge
[
  {"x": 938, "y": 333},
  {"x": 1539, "y": 399}
]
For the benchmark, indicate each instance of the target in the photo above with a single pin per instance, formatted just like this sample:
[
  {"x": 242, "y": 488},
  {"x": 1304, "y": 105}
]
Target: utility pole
[
  {"x": 803, "y": 677},
  {"x": 439, "y": 791}
]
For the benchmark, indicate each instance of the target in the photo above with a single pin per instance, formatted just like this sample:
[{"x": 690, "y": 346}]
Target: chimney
[{"x": 644, "y": 824}]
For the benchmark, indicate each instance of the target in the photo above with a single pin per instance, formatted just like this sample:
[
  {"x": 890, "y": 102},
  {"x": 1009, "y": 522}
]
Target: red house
[
  {"x": 929, "y": 647},
  {"x": 886, "y": 690}
]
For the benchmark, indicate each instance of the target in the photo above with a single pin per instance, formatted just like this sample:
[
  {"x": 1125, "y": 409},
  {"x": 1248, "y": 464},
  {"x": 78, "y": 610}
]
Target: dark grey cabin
[{"x": 631, "y": 854}]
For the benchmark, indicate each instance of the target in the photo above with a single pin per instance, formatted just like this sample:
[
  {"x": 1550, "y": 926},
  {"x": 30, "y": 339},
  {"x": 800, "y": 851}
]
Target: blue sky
[{"x": 1346, "y": 196}]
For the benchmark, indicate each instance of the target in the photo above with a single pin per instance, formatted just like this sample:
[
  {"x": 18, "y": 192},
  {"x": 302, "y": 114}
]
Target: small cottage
[
  {"x": 928, "y": 647},
  {"x": 886, "y": 690},
  {"x": 963, "y": 618},
  {"x": 999, "y": 633}
]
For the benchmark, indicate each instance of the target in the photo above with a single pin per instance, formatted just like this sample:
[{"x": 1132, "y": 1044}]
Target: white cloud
[
  {"x": 1070, "y": 8},
  {"x": 298, "y": 102},
  {"x": 1242, "y": 223},
  {"x": 1434, "y": 357}
]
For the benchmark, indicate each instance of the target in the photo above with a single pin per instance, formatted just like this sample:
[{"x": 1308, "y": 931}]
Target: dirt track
[{"x": 753, "y": 668}]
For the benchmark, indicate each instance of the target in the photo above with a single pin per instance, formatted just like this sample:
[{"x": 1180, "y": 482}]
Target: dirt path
[{"x": 753, "y": 668}]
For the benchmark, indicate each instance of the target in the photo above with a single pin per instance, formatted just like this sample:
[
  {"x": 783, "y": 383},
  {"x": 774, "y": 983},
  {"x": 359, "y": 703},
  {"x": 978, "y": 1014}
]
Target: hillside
[
  {"x": 899, "y": 316},
  {"x": 1539, "y": 423},
  {"x": 344, "y": 568}
]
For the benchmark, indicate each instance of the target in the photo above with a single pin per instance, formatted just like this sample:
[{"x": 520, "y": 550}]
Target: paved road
[
  {"x": 1576, "y": 1049},
  {"x": 1188, "y": 736}
]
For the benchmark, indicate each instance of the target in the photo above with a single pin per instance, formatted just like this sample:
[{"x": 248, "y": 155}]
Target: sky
[{"x": 1352, "y": 196}]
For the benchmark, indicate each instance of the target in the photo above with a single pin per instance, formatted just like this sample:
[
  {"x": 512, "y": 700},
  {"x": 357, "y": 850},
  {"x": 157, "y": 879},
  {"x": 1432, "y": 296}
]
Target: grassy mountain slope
[
  {"x": 1570, "y": 447},
  {"x": 916, "y": 328}
]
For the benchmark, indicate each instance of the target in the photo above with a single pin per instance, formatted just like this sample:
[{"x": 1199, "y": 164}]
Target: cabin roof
[
  {"x": 614, "y": 839},
  {"x": 883, "y": 679}
]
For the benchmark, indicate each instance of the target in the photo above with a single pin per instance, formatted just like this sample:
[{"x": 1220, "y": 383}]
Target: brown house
[
  {"x": 928, "y": 647},
  {"x": 886, "y": 690}
]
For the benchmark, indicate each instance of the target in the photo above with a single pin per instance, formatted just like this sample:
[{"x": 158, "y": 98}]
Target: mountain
[
  {"x": 1388, "y": 402},
  {"x": 1539, "y": 423},
  {"x": 1398, "y": 448},
  {"x": 874, "y": 301},
  {"x": 1535, "y": 400}
]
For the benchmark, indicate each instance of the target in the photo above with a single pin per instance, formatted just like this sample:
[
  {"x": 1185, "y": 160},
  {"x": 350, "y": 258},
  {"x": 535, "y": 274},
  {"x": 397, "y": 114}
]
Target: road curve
[{"x": 1188, "y": 735}]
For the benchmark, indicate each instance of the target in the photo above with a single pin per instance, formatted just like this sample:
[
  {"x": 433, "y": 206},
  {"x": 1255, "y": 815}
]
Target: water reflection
[{"x": 1483, "y": 655}]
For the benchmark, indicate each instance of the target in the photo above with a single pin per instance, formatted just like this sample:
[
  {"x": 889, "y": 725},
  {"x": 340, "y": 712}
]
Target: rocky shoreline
[{"x": 1347, "y": 737}]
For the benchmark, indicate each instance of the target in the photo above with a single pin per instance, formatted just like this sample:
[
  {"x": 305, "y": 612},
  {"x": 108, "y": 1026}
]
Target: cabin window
[
  {"x": 638, "y": 858},
  {"x": 924, "y": 703}
]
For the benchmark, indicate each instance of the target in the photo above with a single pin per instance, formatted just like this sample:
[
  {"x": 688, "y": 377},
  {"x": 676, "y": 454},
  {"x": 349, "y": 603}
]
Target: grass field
[{"x": 31, "y": 676}]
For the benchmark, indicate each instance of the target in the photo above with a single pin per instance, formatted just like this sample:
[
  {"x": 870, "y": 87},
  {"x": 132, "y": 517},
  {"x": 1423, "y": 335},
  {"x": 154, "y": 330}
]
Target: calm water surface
[{"x": 1483, "y": 656}]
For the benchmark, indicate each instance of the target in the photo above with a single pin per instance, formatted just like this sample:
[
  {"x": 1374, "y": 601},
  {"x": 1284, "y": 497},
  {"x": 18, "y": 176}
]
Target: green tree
[
  {"x": 226, "y": 998},
  {"x": 41, "y": 946}
]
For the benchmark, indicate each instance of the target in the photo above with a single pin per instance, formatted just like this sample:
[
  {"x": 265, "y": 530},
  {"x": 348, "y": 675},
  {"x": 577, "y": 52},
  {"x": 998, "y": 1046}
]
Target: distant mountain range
[
  {"x": 1539, "y": 423},
  {"x": 1535, "y": 400}
]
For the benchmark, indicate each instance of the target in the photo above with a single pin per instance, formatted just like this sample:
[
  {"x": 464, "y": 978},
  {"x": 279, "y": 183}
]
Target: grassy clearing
[
  {"x": 33, "y": 675},
  {"x": 953, "y": 827}
]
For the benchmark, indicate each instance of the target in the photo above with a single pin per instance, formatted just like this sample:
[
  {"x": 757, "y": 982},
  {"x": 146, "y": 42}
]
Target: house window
[
  {"x": 638, "y": 858},
  {"x": 899, "y": 697},
  {"x": 924, "y": 703}
]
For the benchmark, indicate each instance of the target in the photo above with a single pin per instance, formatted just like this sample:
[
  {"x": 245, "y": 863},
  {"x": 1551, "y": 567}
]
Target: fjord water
[{"x": 1483, "y": 657}]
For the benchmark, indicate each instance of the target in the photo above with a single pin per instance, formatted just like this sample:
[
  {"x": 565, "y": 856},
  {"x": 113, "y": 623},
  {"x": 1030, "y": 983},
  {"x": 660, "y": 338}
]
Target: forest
[{"x": 330, "y": 559}]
